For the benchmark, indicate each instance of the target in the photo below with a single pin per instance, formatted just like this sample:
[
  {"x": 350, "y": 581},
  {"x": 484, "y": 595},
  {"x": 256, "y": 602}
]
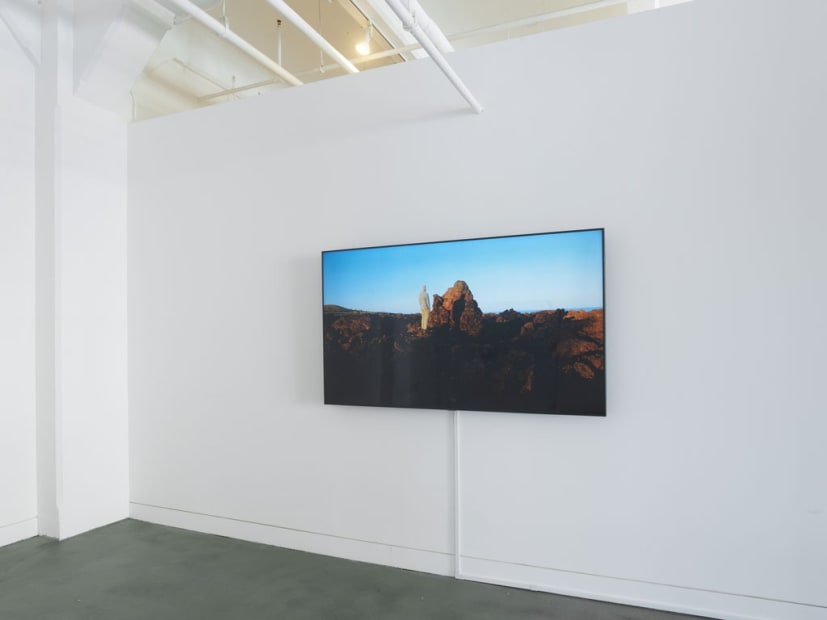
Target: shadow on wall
[{"x": 301, "y": 304}]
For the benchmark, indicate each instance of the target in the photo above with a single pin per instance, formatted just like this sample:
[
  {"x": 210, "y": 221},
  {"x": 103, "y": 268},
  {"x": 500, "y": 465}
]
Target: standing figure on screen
[{"x": 424, "y": 307}]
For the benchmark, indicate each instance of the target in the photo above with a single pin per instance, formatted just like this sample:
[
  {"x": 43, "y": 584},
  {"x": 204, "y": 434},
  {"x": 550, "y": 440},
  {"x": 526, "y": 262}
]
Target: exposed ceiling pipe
[
  {"x": 410, "y": 22},
  {"x": 218, "y": 28},
  {"x": 496, "y": 28},
  {"x": 380, "y": 13},
  {"x": 430, "y": 27},
  {"x": 294, "y": 18},
  {"x": 236, "y": 90}
]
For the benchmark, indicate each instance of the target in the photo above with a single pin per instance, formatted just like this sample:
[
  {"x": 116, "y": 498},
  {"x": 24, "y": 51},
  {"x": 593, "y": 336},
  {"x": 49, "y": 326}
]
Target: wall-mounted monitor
[{"x": 512, "y": 324}]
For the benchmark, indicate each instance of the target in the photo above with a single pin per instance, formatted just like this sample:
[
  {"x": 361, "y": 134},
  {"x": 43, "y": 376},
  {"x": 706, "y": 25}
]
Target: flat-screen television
[{"x": 512, "y": 324}]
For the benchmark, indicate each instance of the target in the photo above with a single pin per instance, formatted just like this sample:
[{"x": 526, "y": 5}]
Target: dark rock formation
[
  {"x": 457, "y": 310},
  {"x": 350, "y": 330},
  {"x": 583, "y": 355},
  {"x": 550, "y": 361}
]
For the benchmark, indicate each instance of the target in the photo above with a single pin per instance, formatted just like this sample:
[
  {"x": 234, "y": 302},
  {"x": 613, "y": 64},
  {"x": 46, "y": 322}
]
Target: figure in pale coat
[{"x": 424, "y": 307}]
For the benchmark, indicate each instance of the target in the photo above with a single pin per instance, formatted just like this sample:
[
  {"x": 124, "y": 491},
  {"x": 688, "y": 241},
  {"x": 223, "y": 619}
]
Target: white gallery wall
[
  {"x": 693, "y": 134},
  {"x": 18, "y": 474}
]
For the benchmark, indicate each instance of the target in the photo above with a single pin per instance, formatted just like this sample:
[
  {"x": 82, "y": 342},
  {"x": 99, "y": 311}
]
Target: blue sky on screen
[{"x": 531, "y": 272}]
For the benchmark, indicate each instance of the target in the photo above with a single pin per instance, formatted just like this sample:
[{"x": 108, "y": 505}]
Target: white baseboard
[
  {"x": 638, "y": 593},
  {"x": 625, "y": 591},
  {"x": 15, "y": 532},
  {"x": 312, "y": 542}
]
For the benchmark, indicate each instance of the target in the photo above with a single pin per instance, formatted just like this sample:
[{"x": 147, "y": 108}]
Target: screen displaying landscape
[{"x": 512, "y": 324}]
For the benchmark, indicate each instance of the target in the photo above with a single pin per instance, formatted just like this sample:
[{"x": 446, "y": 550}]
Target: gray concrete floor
[{"x": 139, "y": 571}]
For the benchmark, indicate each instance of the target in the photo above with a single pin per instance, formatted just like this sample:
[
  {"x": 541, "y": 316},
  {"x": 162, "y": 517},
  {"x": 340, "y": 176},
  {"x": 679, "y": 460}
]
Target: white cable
[{"x": 457, "y": 502}]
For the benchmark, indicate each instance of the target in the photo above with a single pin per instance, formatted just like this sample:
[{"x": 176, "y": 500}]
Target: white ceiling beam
[
  {"x": 311, "y": 33},
  {"x": 113, "y": 42}
]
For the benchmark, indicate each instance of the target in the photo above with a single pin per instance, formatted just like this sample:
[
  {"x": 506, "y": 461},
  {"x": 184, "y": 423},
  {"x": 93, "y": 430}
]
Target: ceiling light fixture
[{"x": 363, "y": 47}]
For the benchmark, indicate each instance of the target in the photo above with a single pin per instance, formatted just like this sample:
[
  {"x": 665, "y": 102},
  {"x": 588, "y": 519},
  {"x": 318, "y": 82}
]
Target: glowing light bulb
[{"x": 363, "y": 47}]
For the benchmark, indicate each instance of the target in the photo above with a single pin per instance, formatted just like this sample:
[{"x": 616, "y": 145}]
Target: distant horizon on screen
[{"x": 522, "y": 272}]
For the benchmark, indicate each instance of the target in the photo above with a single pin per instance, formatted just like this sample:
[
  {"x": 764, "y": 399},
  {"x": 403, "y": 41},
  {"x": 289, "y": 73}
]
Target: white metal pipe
[
  {"x": 410, "y": 24},
  {"x": 298, "y": 21},
  {"x": 236, "y": 90},
  {"x": 430, "y": 27},
  {"x": 519, "y": 23},
  {"x": 384, "y": 17},
  {"x": 218, "y": 28},
  {"x": 323, "y": 69}
]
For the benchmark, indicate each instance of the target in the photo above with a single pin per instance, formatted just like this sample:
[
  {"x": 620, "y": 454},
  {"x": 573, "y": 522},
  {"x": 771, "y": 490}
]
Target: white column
[
  {"x": 81, "y": 296},
  {"x": 55, "y": 43}
]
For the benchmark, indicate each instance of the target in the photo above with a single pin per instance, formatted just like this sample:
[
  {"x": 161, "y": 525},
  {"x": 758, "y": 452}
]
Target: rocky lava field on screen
[{"x": 550, "y": 361}]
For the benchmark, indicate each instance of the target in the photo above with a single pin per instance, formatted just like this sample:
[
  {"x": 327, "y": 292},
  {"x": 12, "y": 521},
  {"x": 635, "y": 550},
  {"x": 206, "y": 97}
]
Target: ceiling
[{"x": 192, "y": 66}]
